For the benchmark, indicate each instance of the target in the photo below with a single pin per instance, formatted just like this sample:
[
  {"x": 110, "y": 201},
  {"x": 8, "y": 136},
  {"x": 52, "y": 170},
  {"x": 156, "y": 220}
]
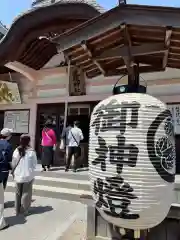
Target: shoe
[
  {"x": 7, "y": 226},
  {"x": 43, "y": 170},
  {"x": 66, "y": 169},
  {"x": 74, "y": 170}
]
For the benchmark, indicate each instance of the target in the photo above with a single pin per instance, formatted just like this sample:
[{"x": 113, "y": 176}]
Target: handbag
[
  {"x": 79, "y": 149},
  {"x": 62, "y": 145}
]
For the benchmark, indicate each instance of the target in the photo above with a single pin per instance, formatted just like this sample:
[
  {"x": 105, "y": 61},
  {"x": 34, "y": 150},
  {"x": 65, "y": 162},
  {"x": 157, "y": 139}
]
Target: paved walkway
[
  {"x": 77, "y": 231},
  {"x": 49, "y": 219}
]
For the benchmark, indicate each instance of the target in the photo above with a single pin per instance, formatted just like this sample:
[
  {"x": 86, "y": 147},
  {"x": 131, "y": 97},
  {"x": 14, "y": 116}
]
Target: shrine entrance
[
  {"x": 55, "y": 112},
  {"x": 120, "y": 43},
  {"x": 127, "y": 40}
]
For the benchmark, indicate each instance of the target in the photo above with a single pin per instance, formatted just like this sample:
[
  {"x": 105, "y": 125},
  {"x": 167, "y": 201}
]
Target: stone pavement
[
  {"x": 49, "y": 219},
  {"x": 76, "y": 231}
]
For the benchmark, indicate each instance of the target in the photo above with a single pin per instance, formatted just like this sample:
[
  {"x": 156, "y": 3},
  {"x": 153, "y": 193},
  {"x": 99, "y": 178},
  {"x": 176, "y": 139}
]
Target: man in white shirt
[
  {"x": 75, "y": 135},
  {"x": 64, "y": 137}
]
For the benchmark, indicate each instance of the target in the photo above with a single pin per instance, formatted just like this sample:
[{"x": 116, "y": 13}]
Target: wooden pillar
[
  {"x": 32, "y": 123},
  {"x": 67, "y": 95},
  {"x": 133, "y": 79}
]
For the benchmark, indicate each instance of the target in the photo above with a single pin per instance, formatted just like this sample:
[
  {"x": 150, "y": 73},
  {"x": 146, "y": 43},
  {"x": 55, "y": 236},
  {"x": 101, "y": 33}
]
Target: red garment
[{"x": 48, "y": 137}]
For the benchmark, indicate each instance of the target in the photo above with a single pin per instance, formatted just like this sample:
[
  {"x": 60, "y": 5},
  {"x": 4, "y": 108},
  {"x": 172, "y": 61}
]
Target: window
[
  {"x": 84, "y": 111},
  {"x": 73, "y": 111}
]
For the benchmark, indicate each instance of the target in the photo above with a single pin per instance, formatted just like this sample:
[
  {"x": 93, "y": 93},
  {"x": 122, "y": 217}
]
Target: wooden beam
[
  {"x": 99, "y": 50},
  {"x": 128, "y": 59},
  {"x": 102, "y": 38},
  {"x": 26, "y": 71},
  {"x": 114, "y": 64},
  {"x": 144, "y": 49},
  {"x": 173, "y": 64},
  {"x": 131, "y": 15},
  {"x": 85, "y": 47},
  {"x": 174, "y": 55},
  {"x": 84, "y": 63},
  {"x": 173, "y": 60},
  {"x": 89, "y": 68},
  {"x": 167, "y": 45},
  {"x": 151, "y": 60},
  {"x": 142, "y": 69}
]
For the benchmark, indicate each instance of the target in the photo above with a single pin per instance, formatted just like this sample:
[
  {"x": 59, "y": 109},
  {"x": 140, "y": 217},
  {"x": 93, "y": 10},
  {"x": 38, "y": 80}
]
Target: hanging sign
[
  {"x": 18, "y": 121},
  {"x": 77, "y": 85},
  {"x": 9, "y": 93},
  {"x": 175, "y": 111}
]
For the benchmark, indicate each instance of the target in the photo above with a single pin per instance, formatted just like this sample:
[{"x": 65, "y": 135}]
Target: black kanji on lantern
[
  {"x": 101, "y": 152},
  {"x": 114, "y": 116},
  {"x": 115, "y": 196},
  {"x": 101, "y": 116},
  {"x": 123, "y": 154},
  {"x": 100, "y": 190},
  {"x": 119, "y": 155},
  {"x": 110, "y": 117}
]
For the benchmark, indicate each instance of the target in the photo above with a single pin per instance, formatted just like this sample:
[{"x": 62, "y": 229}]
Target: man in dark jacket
[
  {"x": 5, "y": 155},
  {"x": 5, "y": 162}
]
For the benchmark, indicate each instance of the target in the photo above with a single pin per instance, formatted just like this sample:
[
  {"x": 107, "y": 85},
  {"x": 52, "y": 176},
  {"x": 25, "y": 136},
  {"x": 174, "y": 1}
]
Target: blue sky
[{"x": 11, "y": 8}]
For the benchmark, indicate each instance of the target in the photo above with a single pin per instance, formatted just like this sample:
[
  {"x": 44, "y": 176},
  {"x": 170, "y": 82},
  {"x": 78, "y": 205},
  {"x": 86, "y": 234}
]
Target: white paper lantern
[{"x": 132, "y": 160}]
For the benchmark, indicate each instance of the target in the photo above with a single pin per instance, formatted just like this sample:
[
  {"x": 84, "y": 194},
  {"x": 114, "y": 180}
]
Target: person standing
[
  {"x": 64, "y": 137},
  {"x": 23, "y": 170},
  {"x": 3, "y": 223},
  {"x": 5, "y": 165},
  {"x": 5, "y": 154},
  {"x": 48, "y": 143},
  {"x": 75, "y": 135}
]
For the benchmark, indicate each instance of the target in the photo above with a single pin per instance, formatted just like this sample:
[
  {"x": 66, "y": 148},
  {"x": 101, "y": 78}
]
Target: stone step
[
  {"x": 59, "y": 182},
  {"x": 68, "y": 188},
  {"x": 81, "y": 174}
]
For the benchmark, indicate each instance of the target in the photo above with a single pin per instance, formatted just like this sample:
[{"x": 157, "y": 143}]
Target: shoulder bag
[{"x": 14, "y": 168}]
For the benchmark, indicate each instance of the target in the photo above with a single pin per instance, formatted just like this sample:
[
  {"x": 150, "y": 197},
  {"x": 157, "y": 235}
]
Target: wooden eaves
[
  {"x": 27, "y": 40},
  {"x": 129, "y": 35}
]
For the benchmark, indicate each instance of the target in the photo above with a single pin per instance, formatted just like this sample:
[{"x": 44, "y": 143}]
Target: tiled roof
[
  {"x": 93, "y": 3},
  {"x": 3, "y": 29}
]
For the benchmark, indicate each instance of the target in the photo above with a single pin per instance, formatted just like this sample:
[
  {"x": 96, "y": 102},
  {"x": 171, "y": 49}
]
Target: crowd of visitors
[
  {"x": 70, "y": 143},
  {"x": 21, "y": 163}
]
